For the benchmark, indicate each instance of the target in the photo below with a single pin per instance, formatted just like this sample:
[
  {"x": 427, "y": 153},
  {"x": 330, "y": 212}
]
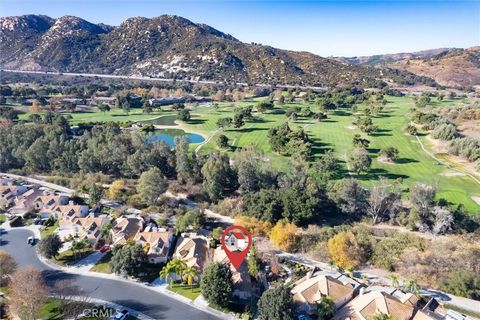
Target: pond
[
  {"x": 168, "y": 135},
  {"x": 163, "y": 121}
]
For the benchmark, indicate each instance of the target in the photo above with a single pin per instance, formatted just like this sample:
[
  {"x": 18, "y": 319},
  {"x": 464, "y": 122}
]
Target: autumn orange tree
[
  {"x": 255, "y": 226},
  {"x": 345, "y": 251},
  {"x": 284, "y": 235}
]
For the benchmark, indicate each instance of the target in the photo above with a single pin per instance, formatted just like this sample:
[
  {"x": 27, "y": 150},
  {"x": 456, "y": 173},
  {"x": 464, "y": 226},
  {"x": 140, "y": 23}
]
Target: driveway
[{"x": 131, "y": 295}]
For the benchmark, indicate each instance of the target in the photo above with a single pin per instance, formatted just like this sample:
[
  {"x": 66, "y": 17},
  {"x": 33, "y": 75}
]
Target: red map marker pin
[{"x": 236, "y": 242}]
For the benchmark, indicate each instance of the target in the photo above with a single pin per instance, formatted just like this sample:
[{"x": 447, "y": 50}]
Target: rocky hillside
[
  {"x": 459, "y": 67},
  {"x": 447, "y": 66},
  {"x": 169, "y": 46}
]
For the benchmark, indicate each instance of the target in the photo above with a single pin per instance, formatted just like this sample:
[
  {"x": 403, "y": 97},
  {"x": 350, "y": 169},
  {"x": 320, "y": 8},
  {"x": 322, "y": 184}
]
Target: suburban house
[
  {"x": 311, "y": 289},
  {"x": 236, "y": 240},
  {"x": 70, "y": 211},
  {"x": 165, "y": 101},
  {"x": 373, "y": 301},
  {"x": 193, "y": 250},
  {"x": 242, "y": 284},
  {"x": 100, "y": 100},
  {"x": 46, "y": 204},
  {"x": 25, "y": 202},
  {"x": 9, "y": 193},
  {"x": 156, "y": 244},
  {"x": 125, "y": 228},
  {"x": 89, "y": 228}
]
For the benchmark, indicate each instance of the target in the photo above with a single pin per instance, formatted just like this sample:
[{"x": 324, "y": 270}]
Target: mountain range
[{"x": 172, "y": 46}]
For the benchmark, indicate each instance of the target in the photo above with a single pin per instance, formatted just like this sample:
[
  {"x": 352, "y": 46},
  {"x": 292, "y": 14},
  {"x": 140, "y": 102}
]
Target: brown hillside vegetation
[{"x": 453, "y": 68}]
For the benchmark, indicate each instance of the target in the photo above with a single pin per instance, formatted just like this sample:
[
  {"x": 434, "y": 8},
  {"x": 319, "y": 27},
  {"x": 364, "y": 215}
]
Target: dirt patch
[
  {"x": 452, "y": 174},
  {"x": 476, "y": 199},
  {"x": 385, "y": 160},
  {"x": 470, "y": 128},
  {"x": 351, "y": 127}
]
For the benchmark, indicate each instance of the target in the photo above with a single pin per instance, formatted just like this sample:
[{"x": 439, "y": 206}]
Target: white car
[
  {"x": 31, "y": 241},
  {"x": 120, "y": 315}
]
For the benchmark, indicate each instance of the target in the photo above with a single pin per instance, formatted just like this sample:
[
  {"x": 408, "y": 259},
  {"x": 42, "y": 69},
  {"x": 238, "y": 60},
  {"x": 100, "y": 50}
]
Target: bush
[
  {"x": 462, "y": 283},
  {"x": 445, "y": 131},
  {"x": 389, "y": 153}
]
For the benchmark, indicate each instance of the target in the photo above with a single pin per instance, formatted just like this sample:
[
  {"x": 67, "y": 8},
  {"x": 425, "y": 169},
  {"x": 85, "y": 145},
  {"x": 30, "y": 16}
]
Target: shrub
[
  {"x": 462, "y": 283},
  {"x": 445, "y": 131}
]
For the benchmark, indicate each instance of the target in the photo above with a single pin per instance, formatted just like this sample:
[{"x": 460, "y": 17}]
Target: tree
[
  {"x": 73, "y": 300},
  {"x": 193, "y": 219},
  {"x": 222, "y": 141},
  {"x": 276, "y": 303},
  {"x": 264, "y": 106},
  {"x": 126, "y": 106},
  {"x": 28, "y": 293},
  {"x": 443, "y": 220},
  {"x": 216, "y": 284},
  {"x": 95, "y": 194},
  {"x": 389, "y": 153},
  {"x": 463, "y": 283},
  {"x": 116, "y": 190},
  {"x": 325, "y": 308},
  {"x": 189, "y": 275},
  {"x": 238, "y": 120},
  {"x": 395, "y": 281},
  {"x": 421, "y": 197},
  {"x": 381, "y": 316},
  {"x": 350, "y": 196},
  {"x": 183, "y": 115},
  {"x": 412, "y": 286},
  {"x": 359, "y": 160},
  {"x": 344, "y": 250},
  {"x": 128, "y": 260},
  {"x": 253, "y": 263},
  {"x": 412, "y": 130},
  {"x": 284, "y": 235},
  {"x": 151, "y": 185},
  {"x": 166, "y": 273},
  {"x": 7, "y": 265},
  {"x": 224, "y": 122},
  {"x": 382, "y": 199},
  {"x": 184, "y": 162},
  {"x": 104, "y": 107},
  {"x": 359, "y": 142},
  {"x": 218, "y": 176},
  {"x": 50, "y": 245}
]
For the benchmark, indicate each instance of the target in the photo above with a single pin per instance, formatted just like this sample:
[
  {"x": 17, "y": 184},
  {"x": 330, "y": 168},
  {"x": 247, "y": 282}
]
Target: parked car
[
  {"x": 31, "y": 241},
  {"x": 104, "y": 249},
  {"x": 120, "y": 315}
]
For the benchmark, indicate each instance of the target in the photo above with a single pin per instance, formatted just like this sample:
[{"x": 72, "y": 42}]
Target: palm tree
[
  {"x": 166, "y": 273},
  {"x": 411, "y": 286},
  {"x": 394, "y": 279},
  {"x": 190, "y": 274},
  {"x": 331, "y": 263},
  {"x": 178, "y": 266}
]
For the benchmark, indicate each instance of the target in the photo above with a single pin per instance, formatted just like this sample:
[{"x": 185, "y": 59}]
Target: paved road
[{"x": 149, "y": 302}]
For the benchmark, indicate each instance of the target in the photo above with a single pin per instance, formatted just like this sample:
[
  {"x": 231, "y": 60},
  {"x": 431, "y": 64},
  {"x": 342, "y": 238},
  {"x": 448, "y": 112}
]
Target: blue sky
[{"x": 327, "y": 28}]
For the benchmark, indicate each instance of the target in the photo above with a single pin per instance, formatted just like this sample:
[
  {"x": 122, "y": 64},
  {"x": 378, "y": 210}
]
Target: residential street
[
  {"x": 131, "y": 295},
  {"x": 464, "y": 303}
]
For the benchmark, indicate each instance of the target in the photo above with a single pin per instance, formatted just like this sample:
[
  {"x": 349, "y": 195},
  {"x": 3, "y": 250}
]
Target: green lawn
[
  {"x": 103, "y": 265},
  {"x": 51, "y": 310},
  {"x": 336, "y": 133},
  {"x": 186, "y": 290},
  {"x": 115, "y": 115},
  {"x": 2, "y": 218},
  {"x": 68, "y": 258},
  {"x": 46, "y": 231}
]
